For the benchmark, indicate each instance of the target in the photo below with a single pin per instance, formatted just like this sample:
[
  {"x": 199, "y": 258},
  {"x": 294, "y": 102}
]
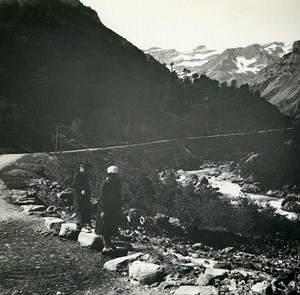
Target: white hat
[{"x": 112, "y": 169}]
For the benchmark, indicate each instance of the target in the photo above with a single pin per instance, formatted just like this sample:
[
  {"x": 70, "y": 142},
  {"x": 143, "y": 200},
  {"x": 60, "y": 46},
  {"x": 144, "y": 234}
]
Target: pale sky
[{"x": 186, "y": 24}]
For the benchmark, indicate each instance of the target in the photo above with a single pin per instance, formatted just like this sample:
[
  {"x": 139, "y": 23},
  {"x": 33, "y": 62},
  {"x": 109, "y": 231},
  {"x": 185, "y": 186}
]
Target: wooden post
[
  {"x": 60, "y": 137},
  {"x": 56, "y": 139}
]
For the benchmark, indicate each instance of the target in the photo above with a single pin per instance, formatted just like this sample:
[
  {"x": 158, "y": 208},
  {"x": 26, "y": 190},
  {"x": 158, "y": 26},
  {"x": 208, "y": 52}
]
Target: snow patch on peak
[
  {"x": 191, "y": 63},
  {"x": 199, "y": 56},
  {"x": 244, "y": 65},
  {"x": 278, "y": 47}
]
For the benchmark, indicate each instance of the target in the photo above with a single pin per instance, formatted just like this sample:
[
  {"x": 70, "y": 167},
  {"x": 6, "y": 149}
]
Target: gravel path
[{"x": 32, "y": 263}]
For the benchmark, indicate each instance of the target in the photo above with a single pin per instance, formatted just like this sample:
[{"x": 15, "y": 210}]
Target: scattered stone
[
  {"x": 32, "y": 208},
  {"x": 69, "y": 231},
  {"x": 90, "y": 240},
  {"x": 145, "y": 273},
  {"x": 118, "y": 263},
  {"x": 175, "y": 221},
  {"x": 249, "y": 188},
  {"x": 53, "y": 223},
  {"x": 227, "y": 250},
  {"x": 122, "y": 244},
  {"x": 26, "y": 201},
  {"x": 18, "y": 193}
]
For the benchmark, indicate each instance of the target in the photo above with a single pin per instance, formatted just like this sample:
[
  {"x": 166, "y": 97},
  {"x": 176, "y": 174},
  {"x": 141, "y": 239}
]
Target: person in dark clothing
[
  {"x": 109, "y": 208},
  {"x": 82, "y": 196}
]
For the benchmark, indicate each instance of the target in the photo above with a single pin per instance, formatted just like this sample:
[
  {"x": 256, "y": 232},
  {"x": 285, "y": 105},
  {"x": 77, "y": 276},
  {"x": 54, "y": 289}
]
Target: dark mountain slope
[
  {"x": 280, "y": 82},
  {"x": 61, "y": 65},
  {"x": 60, "y": 62}
]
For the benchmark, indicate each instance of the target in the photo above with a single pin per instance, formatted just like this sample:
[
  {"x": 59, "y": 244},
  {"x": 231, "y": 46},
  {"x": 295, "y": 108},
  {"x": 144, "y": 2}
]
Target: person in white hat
[{"x": 109, "y": 208}]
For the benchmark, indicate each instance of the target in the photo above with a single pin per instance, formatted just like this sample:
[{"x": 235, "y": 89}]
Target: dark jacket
[
  {"x": 82, "y": 202},
  {"x": 109, "y": 207},
  {"x": 110, "y": 197}
]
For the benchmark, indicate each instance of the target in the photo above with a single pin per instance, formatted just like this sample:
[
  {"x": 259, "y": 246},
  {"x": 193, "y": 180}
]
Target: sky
[{"x": 186, "y": 24}]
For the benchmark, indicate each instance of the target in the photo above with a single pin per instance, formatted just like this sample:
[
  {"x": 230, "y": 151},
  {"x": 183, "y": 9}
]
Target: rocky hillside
[
  {"x": 61, "y": 66},
  {"x": 234, "y": 63},
  {"x": 280, "y": 82}
]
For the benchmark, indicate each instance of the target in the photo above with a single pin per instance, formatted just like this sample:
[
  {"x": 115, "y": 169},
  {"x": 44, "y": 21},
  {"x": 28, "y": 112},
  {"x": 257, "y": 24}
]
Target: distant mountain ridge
[
  {"x": 279, "y": 83},
  {"x": 235, "y": 63}
]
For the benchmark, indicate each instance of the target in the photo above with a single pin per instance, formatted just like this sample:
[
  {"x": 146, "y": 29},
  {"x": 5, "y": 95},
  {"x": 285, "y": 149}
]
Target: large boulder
[
  {"x": 69, "y": 231},
  {"x": 260, "y": 288},
  {"x": 118, "y": 263},
  {"x": 90, "y": 240},
  {"x": 205, "y": 279},
  {"x": 145, "y": 273},
  {"x": 210, "y": 274},
  {"x": 195, "y": 290}
]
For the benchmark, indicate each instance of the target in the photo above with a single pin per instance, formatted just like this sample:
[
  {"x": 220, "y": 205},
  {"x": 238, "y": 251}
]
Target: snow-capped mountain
[
  {"x": 279, "y": 83},
  {"x": 234, "y": 63}
]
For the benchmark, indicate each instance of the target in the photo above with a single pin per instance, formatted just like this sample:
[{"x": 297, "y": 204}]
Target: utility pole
[{"x": 56, "y": 139}]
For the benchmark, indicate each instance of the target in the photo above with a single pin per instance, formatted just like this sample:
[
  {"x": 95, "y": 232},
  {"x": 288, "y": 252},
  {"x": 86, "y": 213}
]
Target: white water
[{"x": 233, "y": 191}]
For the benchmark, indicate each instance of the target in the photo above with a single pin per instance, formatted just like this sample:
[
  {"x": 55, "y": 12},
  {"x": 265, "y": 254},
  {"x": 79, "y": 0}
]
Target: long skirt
[
  {"x": 107, "y": 224},
  {"x": 82, "y": 207}
]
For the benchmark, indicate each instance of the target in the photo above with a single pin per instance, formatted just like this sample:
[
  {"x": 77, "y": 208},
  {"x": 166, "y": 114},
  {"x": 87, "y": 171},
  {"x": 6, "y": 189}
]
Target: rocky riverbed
[{"x": 234, "y": 187}]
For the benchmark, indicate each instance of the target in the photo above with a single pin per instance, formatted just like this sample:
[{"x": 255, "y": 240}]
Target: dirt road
[
  {"x": 6, "y": 160},
  {"x": 8, "y": 211}
]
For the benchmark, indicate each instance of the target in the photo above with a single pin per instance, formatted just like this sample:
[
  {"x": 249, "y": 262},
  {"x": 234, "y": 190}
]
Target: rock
[
  {"x": 27, "y": 201},
  {"x": 195, "y": 290},
  {"x": 18, "y": 194},
  {"x": 260, "y": 288},
  {"x": 122, "y": 244},
  {"x": 117, "y": 263},
  {"x": 227, "y": 250},
  {"x": 69, "y": 231},
  {"x": 145, "y": 273},
  {"x": 252, "y": 158},
  {"x": 217, "y": 272},
  {"x": 53, "y": 223},
  {"x": 52, "y": 209},
  {"x": 204, "y": 280},
  {"x": 249, "y": 188},
  {"x": 32, "y": 208},
  {"x": 222, "y": 265},
  {"x": 175, "y": 221},
  {"x": 241, "y": 274},
  {"x": 90, "y": 240},
  {"x": 292, "y": 206},
  {"x": 203, "y": 180},
  {"x": 197, "y": 246}
]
